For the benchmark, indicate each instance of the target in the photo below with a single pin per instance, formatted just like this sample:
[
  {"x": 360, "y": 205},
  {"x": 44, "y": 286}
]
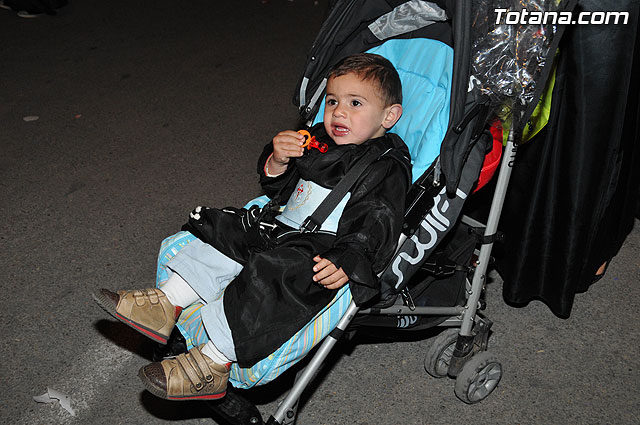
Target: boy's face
[{"x": 355, "y": 112}]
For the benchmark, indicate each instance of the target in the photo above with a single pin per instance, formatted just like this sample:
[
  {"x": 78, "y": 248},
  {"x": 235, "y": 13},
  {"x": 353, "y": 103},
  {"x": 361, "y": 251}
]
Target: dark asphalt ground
[{"x": 149, "y": 108}]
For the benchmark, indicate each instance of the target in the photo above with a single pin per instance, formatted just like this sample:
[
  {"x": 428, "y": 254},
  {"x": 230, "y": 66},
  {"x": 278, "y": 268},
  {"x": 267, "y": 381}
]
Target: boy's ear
[{"x": 394, "y": 112}]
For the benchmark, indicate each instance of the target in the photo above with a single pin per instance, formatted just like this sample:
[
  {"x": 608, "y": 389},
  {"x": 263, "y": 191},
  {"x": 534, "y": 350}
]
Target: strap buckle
[
  {"x": 440, "y": 267},
  {"x": 309, "y": 225},
  {"x": 408, "y": 299},
  {"x": 478, "y": 233}
]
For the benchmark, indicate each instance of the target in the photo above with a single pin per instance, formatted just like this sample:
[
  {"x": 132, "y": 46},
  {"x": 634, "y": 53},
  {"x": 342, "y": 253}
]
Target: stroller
[{"x": 437, "y": 276}]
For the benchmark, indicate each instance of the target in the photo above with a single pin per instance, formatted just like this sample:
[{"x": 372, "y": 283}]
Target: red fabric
[{"x": 492, "y": 159}]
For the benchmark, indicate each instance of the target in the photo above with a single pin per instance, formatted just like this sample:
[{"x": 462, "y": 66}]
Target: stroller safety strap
[{"x": 326, "y": 209}]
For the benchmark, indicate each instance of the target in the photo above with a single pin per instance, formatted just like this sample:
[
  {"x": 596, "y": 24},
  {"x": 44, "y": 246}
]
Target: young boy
[{"x": 260, "y": 278}]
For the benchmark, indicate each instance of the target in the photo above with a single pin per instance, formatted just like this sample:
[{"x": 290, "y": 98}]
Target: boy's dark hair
[{"x": 371, "y": 67}]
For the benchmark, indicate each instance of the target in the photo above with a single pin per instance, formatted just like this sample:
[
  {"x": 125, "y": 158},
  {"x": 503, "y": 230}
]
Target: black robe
[
  {"x": 274, "y": 295},
  {"x": 575, "y": 186}
]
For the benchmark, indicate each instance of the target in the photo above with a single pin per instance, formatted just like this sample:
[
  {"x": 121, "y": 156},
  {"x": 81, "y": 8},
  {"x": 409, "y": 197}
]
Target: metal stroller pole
[
  {"x": 492, "y": 226},
  {"x": 286, "y": 410}
]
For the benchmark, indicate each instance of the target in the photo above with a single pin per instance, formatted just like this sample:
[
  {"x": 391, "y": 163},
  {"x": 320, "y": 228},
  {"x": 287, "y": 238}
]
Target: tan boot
[
  {"x": 148, "y": 311},
  {"x": 189, "y": 376}
]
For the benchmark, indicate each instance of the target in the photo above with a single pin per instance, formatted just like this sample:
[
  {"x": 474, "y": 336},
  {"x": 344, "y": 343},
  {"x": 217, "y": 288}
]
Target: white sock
[
  {"x": 179, "y": 293},
  {"x": 214, "y": 354}
]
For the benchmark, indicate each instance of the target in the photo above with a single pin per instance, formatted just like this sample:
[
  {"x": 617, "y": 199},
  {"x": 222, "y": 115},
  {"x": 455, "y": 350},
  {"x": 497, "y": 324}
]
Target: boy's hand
[
  {"x": 287, "y": 144},
  {"x": 328, "y": 275}
]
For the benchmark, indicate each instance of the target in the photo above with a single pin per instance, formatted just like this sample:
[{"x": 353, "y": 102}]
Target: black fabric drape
[{"x": 575, "y": 186}]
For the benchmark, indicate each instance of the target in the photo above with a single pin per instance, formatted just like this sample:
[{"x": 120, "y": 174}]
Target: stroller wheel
[
  {"x": 438, "y": 357},
  {"x": 478, "y": 378}
]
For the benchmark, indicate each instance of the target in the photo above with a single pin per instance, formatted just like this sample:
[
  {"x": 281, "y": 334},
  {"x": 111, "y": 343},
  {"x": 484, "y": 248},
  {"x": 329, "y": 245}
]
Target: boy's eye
[
  {"x": 355, "y": 103},
  {"x": 332, "y": 102}
]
